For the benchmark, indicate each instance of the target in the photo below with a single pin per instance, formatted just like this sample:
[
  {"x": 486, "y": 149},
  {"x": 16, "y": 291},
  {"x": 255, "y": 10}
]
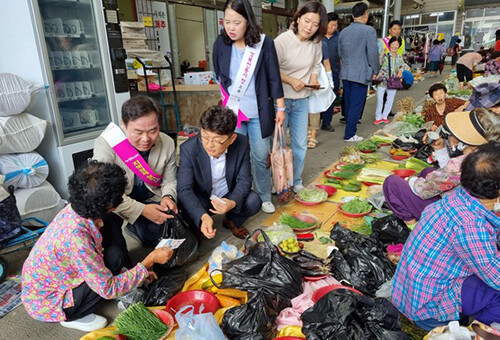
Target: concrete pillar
[
  {"x": 386, "y": 18},
  {"x": 397, "y": 10},
  {"x": 329, "y": 5},
  {"x": 257, "y": 9}
]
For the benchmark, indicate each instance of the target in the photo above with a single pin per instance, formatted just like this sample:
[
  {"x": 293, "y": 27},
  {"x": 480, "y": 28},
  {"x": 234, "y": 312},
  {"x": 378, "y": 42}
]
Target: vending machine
[{"x": 75, "y": 49}]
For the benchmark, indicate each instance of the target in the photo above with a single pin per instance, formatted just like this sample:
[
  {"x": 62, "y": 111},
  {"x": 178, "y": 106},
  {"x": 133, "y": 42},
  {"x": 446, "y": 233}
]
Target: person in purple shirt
[
  {"x": 450, "y": 266},
  {"x": 435, "y": 54}
]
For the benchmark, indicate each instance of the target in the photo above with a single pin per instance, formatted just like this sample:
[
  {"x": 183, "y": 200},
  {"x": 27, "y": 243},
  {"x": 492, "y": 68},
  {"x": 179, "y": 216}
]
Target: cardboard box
[{"x": 198, "y": 78}]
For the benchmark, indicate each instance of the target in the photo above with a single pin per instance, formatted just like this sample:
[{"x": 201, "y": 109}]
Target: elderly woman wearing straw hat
[{"x": 407, "y": 199}]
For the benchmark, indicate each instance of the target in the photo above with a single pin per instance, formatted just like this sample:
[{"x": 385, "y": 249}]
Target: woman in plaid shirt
[{"x": 450, "y": 267}]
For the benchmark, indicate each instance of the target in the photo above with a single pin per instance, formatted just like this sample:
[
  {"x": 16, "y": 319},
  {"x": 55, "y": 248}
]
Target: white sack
[
  {"x": 24, "y": 170},
  {"x": 42, "y": 202},
  {"x": 21, "y": 133},
  {"x": 15, "y": 94}
]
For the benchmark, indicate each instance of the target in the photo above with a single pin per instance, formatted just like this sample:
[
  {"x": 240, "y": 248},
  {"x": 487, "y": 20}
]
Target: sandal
[{"x": 312, "y": 143}]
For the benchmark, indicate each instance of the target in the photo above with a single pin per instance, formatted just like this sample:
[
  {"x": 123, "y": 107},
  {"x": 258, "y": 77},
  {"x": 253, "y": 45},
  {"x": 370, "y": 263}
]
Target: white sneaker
[
  {"x": 297, "y": 188},
  {"x": 273, "y": 191},
  {"x": 354, "y": 139},
  {"x": 268, "y": 207},
  {"x": 88, "y": 323}
]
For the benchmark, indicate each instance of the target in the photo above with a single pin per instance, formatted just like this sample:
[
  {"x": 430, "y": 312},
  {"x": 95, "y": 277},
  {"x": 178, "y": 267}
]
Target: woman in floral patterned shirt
[
  {"x": 407, "y": 199},
  {"x": 67, "y": 272}
]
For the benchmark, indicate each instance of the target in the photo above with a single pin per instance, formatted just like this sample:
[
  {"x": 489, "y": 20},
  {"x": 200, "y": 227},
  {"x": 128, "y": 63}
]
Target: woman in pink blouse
[{"x": 67, "y": 272}]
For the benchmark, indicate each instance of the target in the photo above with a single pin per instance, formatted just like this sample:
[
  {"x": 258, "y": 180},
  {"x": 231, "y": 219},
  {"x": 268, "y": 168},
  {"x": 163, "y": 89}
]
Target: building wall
[{"x": 430, "y": 6}]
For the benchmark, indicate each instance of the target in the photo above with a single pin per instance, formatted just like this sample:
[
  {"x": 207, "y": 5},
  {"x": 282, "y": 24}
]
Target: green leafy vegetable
[
  {"x": 367, "y": 145},
  {"x": 414, "y": 118},
  {"x": 138, "y": 323},
  {"x": 312, "y": 195},
  {"x": 351, "y": 167},
  {"x": 382, "y": 139},
  {"x": 294, "y": 223},
  {"x": 356, "y": 206},
  {"x": 370, "y": 158}
]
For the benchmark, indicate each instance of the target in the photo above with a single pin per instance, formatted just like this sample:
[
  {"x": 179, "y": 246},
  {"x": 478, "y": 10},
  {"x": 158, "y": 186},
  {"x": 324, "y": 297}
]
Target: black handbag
[
  {"x": 393, "y": 82},
  {"x": 10, "y": 219}
]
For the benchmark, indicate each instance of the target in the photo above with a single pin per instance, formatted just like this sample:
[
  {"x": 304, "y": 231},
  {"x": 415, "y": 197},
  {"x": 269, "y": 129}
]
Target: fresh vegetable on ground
[
  {"x": 416, "y": 164},
  {"x": 356, "y": 206},
  {"x": 312, "y": 195},
  {"x": 374, "y": 175},
  {"x": 343, "y": 174},
  {"x": 399, "y": 152},
  {"x": 137, "y": 322},
  {"x": 367, "y": 145},
  {"x": 351, "y": 187},
  {"x": 370, "y": 158},
  {"x": 290, "y": 245},
  {"x": 379, "y": 139},
  {"x": 414, "y": 118},
  {"x": 351, "y": 167},
  {"x": 294, "y": 223}
]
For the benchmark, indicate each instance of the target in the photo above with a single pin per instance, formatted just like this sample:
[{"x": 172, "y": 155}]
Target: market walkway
[{"x": 18, "y": 325}]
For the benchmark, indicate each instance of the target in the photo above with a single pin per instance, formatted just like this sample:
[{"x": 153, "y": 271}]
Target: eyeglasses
[{"x": 209, "y": 141}]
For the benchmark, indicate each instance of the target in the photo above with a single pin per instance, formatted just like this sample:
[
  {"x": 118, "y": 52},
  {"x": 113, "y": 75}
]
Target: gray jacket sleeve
[{"x": 372, "y": 51}]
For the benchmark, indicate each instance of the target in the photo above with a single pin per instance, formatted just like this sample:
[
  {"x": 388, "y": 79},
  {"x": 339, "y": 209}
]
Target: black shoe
[
  {"x": 342, "y": 120},
  {"x": 328, "y": 128},
  {"x": 359, "y": 122},
  {"x": 130, "y": 230},
  {"x": 391, "y": 114}
]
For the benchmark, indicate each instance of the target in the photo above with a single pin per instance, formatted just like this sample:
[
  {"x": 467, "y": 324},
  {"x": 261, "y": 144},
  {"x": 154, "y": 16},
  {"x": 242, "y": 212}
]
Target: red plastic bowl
[
  {"x": 403, "y": 173},
  {"x": 399, "y": 158},
  {"x": 308, "y": 218},
  {"x": 328, "y": 188},
  {"x": 367, "y": 151},
  {"x": 288, "y": 338},
  {"x": 315, "y": 278},
  {"x": 369, "y": 184},
  {"x": 193, "y": 298},
  {"x": 309, "y": 204},
  {"x": 353, "y": 215},
  {"x": 319, "y": 293}
]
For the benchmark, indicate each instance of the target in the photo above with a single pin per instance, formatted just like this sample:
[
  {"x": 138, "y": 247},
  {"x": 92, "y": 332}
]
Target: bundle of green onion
[{"x": 138, "y": 323}]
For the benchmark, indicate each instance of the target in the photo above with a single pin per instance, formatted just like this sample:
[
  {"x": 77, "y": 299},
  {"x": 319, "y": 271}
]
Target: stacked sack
[{"x": 20, "y": 134}]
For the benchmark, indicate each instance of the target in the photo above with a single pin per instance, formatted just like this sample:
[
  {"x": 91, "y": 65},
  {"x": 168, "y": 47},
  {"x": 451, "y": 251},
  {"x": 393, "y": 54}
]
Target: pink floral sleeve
[
  {"x": 439, "y": 181},
  {"x": 99, "y": 278}
]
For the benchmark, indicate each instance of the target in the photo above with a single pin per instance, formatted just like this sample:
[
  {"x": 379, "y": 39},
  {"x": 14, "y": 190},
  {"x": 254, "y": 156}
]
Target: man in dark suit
[{"x": 214, "y": 175}]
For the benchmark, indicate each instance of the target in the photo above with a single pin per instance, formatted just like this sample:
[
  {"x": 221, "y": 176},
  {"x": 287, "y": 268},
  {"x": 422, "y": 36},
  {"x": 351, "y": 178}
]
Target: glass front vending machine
[{"x": 82, "y": 63}]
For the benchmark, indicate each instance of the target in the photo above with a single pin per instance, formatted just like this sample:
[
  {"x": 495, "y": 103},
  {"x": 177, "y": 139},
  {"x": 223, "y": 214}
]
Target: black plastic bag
[
  {"x": 345, "y": 315},
  {"x": 253, "y": 320},
  {"x": 359, "y": 260},
  {"x": 10, "y": 219},
  {"x": 175, "y": 228},
  {"x": 390, "y": 230},
  {"x": 160, "y": 291},
  {"x": 263, "y": 267}
]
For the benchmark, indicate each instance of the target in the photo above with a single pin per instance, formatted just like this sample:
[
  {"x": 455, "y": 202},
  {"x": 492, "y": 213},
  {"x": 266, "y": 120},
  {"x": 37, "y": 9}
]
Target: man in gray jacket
[{"x": 359, "y": 54}]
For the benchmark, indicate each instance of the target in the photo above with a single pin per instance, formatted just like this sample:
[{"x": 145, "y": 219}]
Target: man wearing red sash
[{"x": 148, "y": 158}]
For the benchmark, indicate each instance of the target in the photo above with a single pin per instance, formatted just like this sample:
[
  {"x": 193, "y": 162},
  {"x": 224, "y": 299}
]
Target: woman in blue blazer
[{"x": 257, "y": 103}]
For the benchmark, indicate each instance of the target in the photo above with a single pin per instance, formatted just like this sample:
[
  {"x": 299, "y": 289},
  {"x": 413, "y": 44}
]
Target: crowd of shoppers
[{"x": 223, "y": 170}]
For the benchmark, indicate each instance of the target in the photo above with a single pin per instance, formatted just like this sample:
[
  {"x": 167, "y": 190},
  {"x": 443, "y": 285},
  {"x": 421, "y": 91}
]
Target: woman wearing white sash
[
  {"x": 241, "y": 55},
  {"x": 299, "y": 55}
]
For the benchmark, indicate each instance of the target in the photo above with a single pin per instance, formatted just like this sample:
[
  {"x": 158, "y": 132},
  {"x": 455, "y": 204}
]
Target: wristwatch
[{"x": 281, "y": 109}]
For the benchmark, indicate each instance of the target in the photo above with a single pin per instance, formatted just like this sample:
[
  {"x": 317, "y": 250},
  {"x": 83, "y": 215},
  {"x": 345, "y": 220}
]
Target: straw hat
[{"x": 465, "y": 127}]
